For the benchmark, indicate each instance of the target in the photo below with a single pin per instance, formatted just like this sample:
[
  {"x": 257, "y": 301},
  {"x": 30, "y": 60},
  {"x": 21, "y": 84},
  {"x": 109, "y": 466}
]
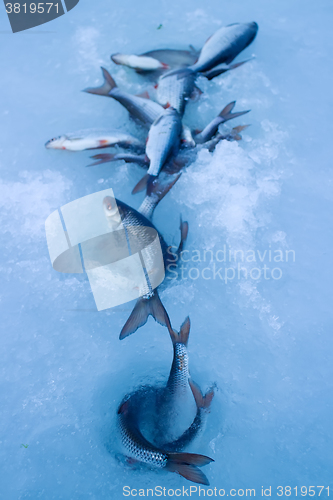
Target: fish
[
  {"x": 141, "y": 450},
  {"x": 211, "y": 129},
  {"x": 163, "y": 140},
  {"x": 94, "y": 140},
  {"x": 174, "y": 92},
  {"x": 140, "y": 108},
  {"x": 140, "y": 220},
  {"x": 175, "y": 403},
  {"x": 184, "y": 157},
  {"x": 139, "y": 63},
  {"x": 157, "y": 61},
  {"x": 222, "y": 47},
  {"x": 203, "y": 403}
]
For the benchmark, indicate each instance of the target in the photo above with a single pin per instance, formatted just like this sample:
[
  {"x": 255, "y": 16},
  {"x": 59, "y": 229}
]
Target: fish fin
[
  {"x": 196, "y": 93},
  {"x": 226, "y": 112},
  {"x": 164, "y": 66},
  {"x": 167, "y": 105},
  {"x": 188, "y": 471},
  {"x": 222, "y": 68},
  {"x": 155, "y": 186},
  {"x": 123, "y": 408},
  {"x": 200, "y": 400},
  {"x": 183, "y": 235},
  {"x": 142, "y": 310},
  {"x": 194, "y": 50},
  {"x": 197, "y": 131},
  {"x": 107, "y": 86},
  {"x": 191, "y": 458},
  {"x": 141, "y": 185},
  {"x": 235, "y": 132},
  {"x": 103, "y": 158},
  {"x": 185, "y": 331},
  {"x": 144, "y": 95},
  {"x": 180, "y": 72},
  {"x": 183, "y": 335}
]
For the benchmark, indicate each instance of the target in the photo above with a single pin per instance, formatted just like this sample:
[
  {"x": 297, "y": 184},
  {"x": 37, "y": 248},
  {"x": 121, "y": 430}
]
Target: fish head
[
  {"x": 57, "y": 142},
  {"x": 111, "y": 212}
]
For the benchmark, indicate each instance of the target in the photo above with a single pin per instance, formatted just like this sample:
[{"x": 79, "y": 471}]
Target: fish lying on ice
[
  {"x": 140, "y": 108},
  {"x": 211, "y": 129},
  {"x": 184, "y": 157},
  {"x": 141, "y": 450},
  {"x": 157, "y": 60},
  {"x": 150, "y": 303},
  {"x": 203, "y": 403},
  {"x": 222, "y": 47},
  {"x": 139, "y": 63},
  {"x": 94, "y": 140},
  {"x": 163, "y": 140}
]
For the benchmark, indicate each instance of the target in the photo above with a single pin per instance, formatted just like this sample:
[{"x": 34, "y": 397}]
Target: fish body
[
  {"x": 174, "y": 92},
  {"x": 225, "y": 45},
  {"x": 163, "y": 139},
  {"x": 203, "y": 404},
  {"x": 94, "y": 140},
  {"x": 140, "y": 108},
  {"x": 139, "y": 63},
  {"x": 144, "y": 110},
  {"x": 176, "y": 404},
  {"x": 141, "y": 450}
]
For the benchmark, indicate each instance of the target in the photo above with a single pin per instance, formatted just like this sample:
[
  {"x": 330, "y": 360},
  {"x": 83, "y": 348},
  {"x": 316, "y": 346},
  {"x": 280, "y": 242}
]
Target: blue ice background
[{"x": 266, "y": 344}]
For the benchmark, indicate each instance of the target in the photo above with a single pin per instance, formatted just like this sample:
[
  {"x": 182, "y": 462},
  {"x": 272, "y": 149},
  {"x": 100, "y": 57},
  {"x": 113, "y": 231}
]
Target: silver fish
[
  {"x": 145, "y": 110},
  {"x": 176, "y": 404},
  {"x": 157, "y": 61},
  {"x": 225, "y": 45},
  {"x": 141, "y": 450},
  {"x": 211, "y": 129},
  {"x": 139, "y": 63},
  {"x": 174, "y": 92},
  {"x": 163, "y": 140},
  {"x": 150, "y": 303},
  {"x": 203, "y": 404},
  {"x": 140, "y": 108},
  {"x": 86, "y": 139}
]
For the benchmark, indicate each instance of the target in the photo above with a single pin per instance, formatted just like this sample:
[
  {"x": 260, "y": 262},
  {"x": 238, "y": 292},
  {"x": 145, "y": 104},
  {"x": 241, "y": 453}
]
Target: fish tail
[
  {"x": 226, "y": 112},
  {"x": 107, "y": 86},
  {"x": 141, "y": 312},
  {"x": 202, "y": 401},
  {"x": 180, "y": 72},
  {"x": 235, "y": 132},
  {"x": 142, "y": 184},
  {"x": 184, "y": 333},
  {"x": 187, "y": 465}
]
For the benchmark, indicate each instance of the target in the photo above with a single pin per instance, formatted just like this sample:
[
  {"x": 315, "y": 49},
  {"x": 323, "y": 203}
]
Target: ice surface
[{"x": 266, "y": 343}]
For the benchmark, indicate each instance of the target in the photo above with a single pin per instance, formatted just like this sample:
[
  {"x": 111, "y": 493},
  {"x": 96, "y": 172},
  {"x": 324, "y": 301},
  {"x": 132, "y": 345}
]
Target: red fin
[
  {"x": 103, "y": 142},
  {"x": 191, "y": 458},
  {"x": 165, "y": 66},
  {"x": 144, "y": 94},
  {"x": 123, "y": 408},
  {"x": 156, "y": 86}
]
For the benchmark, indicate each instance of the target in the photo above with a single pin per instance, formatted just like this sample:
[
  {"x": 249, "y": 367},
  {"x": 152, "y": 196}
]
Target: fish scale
[{"x": 173, "y": 91}]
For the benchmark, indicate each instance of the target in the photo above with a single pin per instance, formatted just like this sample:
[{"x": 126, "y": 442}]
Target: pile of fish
[{"x": 157, "y": 424}]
